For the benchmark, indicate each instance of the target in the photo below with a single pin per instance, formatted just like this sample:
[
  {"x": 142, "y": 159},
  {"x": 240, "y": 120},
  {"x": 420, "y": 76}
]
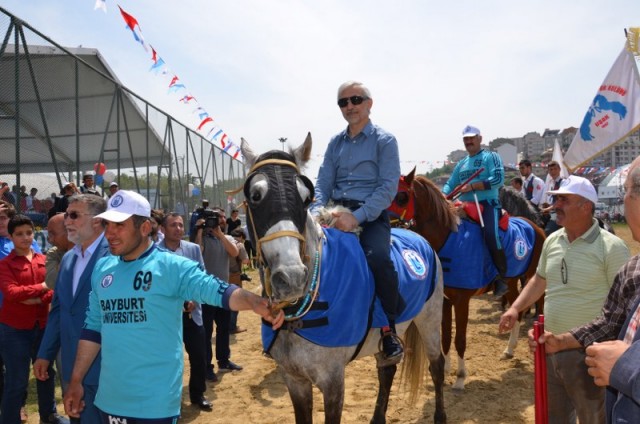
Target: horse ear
[
  {"x": 410, "y": 176},
  {"x": 248, "y": 153},
  {"x": 302, "y": 153}
]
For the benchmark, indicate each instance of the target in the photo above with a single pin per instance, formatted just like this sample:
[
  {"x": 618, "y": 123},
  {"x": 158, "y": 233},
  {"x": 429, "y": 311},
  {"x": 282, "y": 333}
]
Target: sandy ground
[{"x": 497, "y": 391}]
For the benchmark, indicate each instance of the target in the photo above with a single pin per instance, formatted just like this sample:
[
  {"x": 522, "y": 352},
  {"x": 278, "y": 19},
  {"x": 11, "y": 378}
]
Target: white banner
[{"x": 612, "y": 116}]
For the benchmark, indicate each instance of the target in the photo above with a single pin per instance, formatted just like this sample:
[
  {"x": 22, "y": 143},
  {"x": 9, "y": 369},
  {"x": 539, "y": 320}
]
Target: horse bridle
[
  {"x": 402, "y": 211},
  {"x": 300, "y": 223}
]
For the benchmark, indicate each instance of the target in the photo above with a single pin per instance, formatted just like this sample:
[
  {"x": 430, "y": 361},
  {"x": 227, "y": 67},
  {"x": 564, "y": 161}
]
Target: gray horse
[{"x": 289, "y": 244}]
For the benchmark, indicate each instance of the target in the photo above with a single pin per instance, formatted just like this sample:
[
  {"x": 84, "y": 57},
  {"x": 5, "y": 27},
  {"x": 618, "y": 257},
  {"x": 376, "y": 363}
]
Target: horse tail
[{"x": 413, "y": 365}]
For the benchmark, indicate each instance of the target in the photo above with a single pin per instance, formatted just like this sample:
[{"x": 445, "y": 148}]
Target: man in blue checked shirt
[{"x": 360, "y": 171}]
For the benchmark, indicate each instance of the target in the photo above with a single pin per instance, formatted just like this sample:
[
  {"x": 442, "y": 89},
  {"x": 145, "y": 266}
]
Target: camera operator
[
  {"x": 217, "y": 249},
  {"x": 195, "y": 216}
]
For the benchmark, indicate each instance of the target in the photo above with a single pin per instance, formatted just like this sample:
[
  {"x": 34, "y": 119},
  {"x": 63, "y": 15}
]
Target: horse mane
[
  {"x": 515, "y": 204},
  {"x": 324, "y": 216},
  {"x": 433, "y": 198}
]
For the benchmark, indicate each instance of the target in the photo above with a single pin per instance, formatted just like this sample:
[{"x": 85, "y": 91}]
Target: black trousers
[
  {"x": 221, "y": 317},
  {"x": 375, "y": 240},
  {"x": 193, "y": 338}
]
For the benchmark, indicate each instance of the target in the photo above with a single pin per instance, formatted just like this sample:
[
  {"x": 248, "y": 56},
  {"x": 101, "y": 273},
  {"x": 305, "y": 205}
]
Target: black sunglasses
[
  {"x": 75, "y": 215},
  {"x": 564, "y": 272},
  {"x": 355, "y": 100}
]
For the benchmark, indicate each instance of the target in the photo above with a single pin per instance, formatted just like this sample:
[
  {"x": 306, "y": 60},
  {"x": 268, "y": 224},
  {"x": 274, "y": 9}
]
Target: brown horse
[{"x": 435, "y": 218}]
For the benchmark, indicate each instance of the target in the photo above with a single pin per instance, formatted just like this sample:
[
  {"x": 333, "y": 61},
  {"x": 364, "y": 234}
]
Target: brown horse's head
[
  {"x": 402, "y": 206},
  {"x": 419, "y": 200}
]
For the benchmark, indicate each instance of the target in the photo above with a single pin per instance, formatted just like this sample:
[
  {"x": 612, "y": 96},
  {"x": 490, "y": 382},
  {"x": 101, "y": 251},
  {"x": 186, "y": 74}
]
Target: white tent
[
  {"x": 70, "y": 113},
  {"x": 610, "y": 189}
]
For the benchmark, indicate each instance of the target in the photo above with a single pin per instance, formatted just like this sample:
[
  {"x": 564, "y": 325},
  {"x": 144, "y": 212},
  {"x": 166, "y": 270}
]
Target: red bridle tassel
[{"x": 540, "y": 372}]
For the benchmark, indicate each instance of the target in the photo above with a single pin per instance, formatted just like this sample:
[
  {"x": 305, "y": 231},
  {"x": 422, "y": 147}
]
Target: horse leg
[
  {"x": 436, "y": 369},
  {"x": 515, "y": 331},
  {"x": 447, "y": 319},
  {"x": 385, "y": 380},
  {"x": 301, "y": 394},
  {"x": 331, "y": 384},
  {"x": 462, "y": 317},
  {"x": 513, "y": 341}
]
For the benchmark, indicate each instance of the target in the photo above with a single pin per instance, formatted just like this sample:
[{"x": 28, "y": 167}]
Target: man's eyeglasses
[
  {"x": 564, "y": 272},
  {"x": 355, "y": 100},
  {"x": 73, "y": 215}
]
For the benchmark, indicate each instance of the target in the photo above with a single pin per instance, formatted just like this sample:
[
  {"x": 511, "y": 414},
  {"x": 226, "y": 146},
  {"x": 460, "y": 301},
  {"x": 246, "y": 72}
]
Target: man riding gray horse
[{"x": 360, "y": 171}]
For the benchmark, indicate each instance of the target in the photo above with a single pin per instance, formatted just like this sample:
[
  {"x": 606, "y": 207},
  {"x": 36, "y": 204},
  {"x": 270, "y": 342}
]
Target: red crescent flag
[{"x": 204, "y": 121}]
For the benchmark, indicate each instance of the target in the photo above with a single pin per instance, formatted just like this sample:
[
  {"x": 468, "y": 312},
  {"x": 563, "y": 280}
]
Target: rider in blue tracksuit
[{"x": 485, "y": 186}]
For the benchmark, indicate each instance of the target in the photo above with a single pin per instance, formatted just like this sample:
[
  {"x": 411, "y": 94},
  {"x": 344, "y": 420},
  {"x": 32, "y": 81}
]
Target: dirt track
[{"x": 497, "y": 391}]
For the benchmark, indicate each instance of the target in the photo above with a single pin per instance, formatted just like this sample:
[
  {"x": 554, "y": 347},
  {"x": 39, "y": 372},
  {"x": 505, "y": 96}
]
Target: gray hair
[
  {"x": 360, "y": 85},
  {"x": 95, "y": 204}
]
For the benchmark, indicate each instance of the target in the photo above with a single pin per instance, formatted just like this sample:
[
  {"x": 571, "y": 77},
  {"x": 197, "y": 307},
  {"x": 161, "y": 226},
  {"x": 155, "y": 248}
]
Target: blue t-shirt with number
[{"x": 135, "y": 313}]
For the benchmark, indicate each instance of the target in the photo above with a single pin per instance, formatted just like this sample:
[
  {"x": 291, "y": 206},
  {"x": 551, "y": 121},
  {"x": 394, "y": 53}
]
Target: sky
[{"x": 265, "y": 70}]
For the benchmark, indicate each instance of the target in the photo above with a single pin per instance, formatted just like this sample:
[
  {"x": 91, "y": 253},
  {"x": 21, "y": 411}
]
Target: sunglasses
[
  {"x": 73, "y": 215},
  {"x": 564, "y": 272},
  {"x": 355, "y": 100}
]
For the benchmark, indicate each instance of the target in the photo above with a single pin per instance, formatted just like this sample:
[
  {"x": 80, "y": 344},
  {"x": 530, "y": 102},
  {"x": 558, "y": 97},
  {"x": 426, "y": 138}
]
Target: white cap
[
  {"x": 470, "y": 131},
  {"x": 577, "y": 185},
  {"x": 125, "y": 204},
  {"x": 113, "y": 184}
]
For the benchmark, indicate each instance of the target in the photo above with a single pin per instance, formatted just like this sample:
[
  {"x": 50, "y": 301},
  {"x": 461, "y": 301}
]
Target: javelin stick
[
  {"x": 456, "y": 190},
  {"x": 475, "y": 197}
]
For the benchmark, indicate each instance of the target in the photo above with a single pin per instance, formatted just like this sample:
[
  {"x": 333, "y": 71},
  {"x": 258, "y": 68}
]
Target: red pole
[
  {"x": 536, "y": 375},
  {"x": 540, "y": 374},
  {"x": 543, "y": 368}
]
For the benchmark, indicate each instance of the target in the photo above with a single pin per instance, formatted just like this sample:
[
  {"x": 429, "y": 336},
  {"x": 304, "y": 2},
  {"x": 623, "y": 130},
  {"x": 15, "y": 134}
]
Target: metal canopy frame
[{"x": 62, "y": 110}]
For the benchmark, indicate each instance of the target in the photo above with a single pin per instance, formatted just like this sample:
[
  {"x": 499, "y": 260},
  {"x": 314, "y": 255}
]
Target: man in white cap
[
  {"x": 485, "y": 188},
  {"x": 575, "y": 272},
  {"x": 611, "y": 340},
  {"x": 113, "y": 188},
  {"x": 134, "y": 319}
]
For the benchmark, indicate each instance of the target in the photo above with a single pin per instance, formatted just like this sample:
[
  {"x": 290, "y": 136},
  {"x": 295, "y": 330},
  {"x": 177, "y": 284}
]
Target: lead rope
[{"x": 314, "y": 288}]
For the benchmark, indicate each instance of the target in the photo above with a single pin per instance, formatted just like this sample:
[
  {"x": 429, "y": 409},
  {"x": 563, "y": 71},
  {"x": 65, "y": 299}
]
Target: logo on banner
[{"x": 601, "y": 104}]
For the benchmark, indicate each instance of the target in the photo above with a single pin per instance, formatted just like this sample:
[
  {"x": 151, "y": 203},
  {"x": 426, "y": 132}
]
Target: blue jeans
[
  {"x": 18, "y": 349},
  {"x": 375, "y": 240}
]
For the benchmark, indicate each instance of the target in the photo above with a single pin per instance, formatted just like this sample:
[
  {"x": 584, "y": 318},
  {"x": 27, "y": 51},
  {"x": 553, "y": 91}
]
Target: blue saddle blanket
[
  {"x": 346, "y": 306},
  {"x": 466, "y": 261}
]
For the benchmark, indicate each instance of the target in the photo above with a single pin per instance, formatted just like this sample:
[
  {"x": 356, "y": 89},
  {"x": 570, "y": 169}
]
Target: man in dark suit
[
  {"x": 192, "y": 328},
  {"x": 71, "y": 296}
]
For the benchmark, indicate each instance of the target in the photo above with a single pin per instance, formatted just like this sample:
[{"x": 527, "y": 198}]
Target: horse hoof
[
  {"x": 506, "y": 355},
  {"x": 457, "y": 390}
]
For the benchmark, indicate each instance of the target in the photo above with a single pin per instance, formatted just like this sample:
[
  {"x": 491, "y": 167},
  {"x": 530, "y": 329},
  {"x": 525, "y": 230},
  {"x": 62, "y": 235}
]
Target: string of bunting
[{"x": 205, "y": 124}]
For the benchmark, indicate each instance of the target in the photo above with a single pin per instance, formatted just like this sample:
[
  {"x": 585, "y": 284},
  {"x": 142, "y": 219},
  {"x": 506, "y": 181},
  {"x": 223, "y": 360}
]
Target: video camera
[{"x": 211, "y": 217}]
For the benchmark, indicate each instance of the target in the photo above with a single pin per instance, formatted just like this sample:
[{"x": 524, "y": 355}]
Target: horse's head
[
  {"x": 402, "y": 205},
  {"x": 278, "y": 197}
]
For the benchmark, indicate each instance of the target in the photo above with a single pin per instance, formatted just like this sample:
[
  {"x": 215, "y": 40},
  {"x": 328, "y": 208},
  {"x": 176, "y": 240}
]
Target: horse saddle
[
  {"x": 346, "y": 306},
  {"x": 471, "y": 210},
  {"x": 466, "y": 261}
]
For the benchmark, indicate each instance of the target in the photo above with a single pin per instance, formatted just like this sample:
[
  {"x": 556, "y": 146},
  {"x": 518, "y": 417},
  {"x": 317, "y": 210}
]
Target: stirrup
[{"x": 381, "y": 359}]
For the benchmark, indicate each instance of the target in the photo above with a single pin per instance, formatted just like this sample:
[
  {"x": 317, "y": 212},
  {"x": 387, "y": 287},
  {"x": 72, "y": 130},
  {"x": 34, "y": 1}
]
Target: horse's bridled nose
[{"x": 289, "y": 282}]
